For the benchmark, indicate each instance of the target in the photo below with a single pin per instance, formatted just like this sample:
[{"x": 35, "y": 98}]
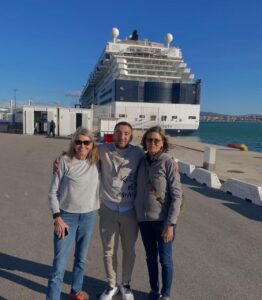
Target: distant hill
[
  {"x": 204, "y": 114},
  {"x": 212, "y": 114}
]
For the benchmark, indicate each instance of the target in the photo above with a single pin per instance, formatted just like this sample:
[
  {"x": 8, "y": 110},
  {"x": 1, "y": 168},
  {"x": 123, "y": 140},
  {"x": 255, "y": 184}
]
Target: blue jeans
[
  {"x": 80, "y": 230},
  {"x": 154, "y": 244}
]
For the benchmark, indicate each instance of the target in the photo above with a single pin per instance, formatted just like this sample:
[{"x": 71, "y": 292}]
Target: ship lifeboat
[{"x": 241, "y": 147}]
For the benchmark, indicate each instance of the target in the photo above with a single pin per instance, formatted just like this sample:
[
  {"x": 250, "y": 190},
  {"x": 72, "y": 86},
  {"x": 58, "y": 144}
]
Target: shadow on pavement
[
  {"x": 23, "y": 281},
  {"x": 94, "y": 287},
  {"x": 249, "y": 210}
]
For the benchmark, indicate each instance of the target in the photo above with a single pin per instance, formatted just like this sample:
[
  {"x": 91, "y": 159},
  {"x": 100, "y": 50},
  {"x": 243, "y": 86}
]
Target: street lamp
[{"x": 15, "y": 97}]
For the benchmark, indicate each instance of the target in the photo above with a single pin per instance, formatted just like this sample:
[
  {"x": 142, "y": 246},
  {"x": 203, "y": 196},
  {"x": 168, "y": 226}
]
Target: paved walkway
[{"x": 218, "y": 241}]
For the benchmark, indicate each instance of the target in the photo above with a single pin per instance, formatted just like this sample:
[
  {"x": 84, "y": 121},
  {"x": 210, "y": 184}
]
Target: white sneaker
[
  {"x": 109, "y": 293},
  {"x": 126, "y": 292}
]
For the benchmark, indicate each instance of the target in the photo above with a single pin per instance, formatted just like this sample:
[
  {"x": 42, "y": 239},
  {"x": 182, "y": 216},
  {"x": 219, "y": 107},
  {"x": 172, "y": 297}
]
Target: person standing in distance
[
  {"x": 119, "y": 162},
  {"x": 52, "y": 128}
]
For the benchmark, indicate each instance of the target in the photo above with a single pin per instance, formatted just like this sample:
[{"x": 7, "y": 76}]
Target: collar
[
  {"x": 122, "y": 152},
  {"x": 151, "y": 159}
]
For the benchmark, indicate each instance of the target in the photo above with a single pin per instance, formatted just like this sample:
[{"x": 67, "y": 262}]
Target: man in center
[{"x": 119, "y": 163}]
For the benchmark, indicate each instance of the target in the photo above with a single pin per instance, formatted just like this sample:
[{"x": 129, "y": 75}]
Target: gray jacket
[{"x": 159, "y": 192}]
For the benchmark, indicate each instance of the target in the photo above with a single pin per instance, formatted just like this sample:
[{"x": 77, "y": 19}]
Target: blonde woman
[{"x": 73, "y": 200}]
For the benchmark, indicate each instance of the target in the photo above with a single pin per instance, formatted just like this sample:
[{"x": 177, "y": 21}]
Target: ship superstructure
[{"x": 144, "y": 83}]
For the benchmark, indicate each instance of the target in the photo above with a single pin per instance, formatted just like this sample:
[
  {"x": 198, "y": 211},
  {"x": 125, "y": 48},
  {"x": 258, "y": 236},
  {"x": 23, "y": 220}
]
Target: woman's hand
[
  {"x": 60, "y": 227},
  {"x": 168, "y": 233},
  {"x": 55, "y": 166}
]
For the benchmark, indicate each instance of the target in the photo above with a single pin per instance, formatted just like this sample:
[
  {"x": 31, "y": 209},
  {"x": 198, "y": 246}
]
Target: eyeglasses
[
  {"x": 79, "y": 142},
  {"x": 155, "y": 141}
]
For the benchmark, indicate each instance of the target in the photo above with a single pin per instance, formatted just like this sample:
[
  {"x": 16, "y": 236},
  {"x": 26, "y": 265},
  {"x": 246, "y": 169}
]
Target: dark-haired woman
[
  {"x": 73, "y": 200},
  {"x": 157, "y": 204}
]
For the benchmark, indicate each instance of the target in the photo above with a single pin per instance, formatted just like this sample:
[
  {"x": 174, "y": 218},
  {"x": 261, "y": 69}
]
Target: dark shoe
[
  {"x": 153, "y": 295},
  {"x": 79, "y": 296}
]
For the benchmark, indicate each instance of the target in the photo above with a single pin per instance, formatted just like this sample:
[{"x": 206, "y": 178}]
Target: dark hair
[
  {"x": 124, "y": 123},
  {"x": 161, "y": 132}
]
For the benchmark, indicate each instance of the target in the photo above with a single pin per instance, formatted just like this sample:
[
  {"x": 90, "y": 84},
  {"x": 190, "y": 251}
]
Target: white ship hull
[{"x": 176, "y": 118}]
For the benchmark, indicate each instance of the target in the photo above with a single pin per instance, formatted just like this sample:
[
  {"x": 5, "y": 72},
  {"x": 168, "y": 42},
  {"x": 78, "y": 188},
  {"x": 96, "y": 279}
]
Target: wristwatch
[{"x": 55, "y": 215}]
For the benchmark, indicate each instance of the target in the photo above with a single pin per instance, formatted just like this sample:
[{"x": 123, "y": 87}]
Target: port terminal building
[{"x": 37, "y": 119}]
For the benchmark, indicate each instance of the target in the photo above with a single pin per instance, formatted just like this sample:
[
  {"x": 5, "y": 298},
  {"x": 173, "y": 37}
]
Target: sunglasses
[
  {"x": 86, "y": 143},
  {"x": 155, "y": 141}
]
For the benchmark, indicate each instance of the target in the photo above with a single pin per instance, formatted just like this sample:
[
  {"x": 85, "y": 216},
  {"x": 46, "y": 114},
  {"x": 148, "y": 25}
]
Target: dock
[
  {"x": 230, "y": 162},
  {"x": 217, "y": 250}
]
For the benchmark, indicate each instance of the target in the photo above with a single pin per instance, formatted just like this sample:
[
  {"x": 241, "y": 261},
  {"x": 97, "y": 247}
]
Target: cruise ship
[{"x": 144, "y": 83}]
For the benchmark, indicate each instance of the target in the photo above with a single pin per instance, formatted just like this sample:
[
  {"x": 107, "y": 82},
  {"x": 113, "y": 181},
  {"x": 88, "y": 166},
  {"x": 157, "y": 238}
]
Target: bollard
[{"x": 209, "y": 159}]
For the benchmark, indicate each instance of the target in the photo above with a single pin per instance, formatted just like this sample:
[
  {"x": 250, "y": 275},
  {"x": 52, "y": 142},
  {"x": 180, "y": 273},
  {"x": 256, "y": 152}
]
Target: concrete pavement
[
  {"x": 230, "y": 163},
  {"x": 217, "y": 249}
]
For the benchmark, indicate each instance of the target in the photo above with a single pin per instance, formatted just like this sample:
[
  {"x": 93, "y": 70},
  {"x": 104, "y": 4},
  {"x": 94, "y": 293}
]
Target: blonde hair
[{"x": 93, "y": 155}]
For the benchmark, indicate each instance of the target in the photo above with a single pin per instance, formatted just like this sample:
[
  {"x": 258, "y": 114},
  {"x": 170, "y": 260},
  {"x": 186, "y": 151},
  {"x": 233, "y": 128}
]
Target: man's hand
[
  {"x": 176, "y": 165},
  {"x": 168, "y": 233},
  {"x": 60, "y": 227}
]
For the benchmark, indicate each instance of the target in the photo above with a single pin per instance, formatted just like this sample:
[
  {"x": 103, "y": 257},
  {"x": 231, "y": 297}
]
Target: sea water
[{"x": 224, "y": 133}]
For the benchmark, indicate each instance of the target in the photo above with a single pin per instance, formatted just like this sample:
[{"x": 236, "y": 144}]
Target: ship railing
[
  {"x": 172, "y": 78},
  {"x": 145, "y": 58}
]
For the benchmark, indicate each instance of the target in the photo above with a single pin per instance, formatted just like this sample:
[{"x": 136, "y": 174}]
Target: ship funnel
[
  {"x": 115, "y": 34},
  {"x": 168, "y": 39}
]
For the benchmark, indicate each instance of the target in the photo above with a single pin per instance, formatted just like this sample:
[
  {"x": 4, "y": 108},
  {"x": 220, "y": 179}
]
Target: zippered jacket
[{"x": 159, "y": 191}]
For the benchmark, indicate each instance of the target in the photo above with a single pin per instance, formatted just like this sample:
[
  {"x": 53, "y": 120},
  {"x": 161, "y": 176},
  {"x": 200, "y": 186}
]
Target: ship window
[
  {"x": 163, "y": 118},
  {"x": 174, "y": 118},
  {"x": 192, "y": 117},
  {"x": 152, "y": 118},
  {"x": 142, "y": 116},
  {"x": 121, "y": 115}
]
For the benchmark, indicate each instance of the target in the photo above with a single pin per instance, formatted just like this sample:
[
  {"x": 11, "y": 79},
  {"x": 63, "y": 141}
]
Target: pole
[
  {"x": 11, "y": 111},
  {"x": 209, "y": 158},
  {"x": 15, "y": 97}
]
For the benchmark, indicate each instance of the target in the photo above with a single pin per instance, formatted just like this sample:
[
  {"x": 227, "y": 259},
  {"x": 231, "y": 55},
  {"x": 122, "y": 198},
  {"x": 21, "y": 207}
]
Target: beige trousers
[{"x": 113, "y": 225}]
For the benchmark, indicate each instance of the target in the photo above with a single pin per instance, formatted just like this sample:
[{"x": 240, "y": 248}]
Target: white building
[{"x": 36, "y": 119}]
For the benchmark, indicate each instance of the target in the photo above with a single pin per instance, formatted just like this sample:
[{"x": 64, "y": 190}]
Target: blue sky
[{"x": 48, "y": 47}]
